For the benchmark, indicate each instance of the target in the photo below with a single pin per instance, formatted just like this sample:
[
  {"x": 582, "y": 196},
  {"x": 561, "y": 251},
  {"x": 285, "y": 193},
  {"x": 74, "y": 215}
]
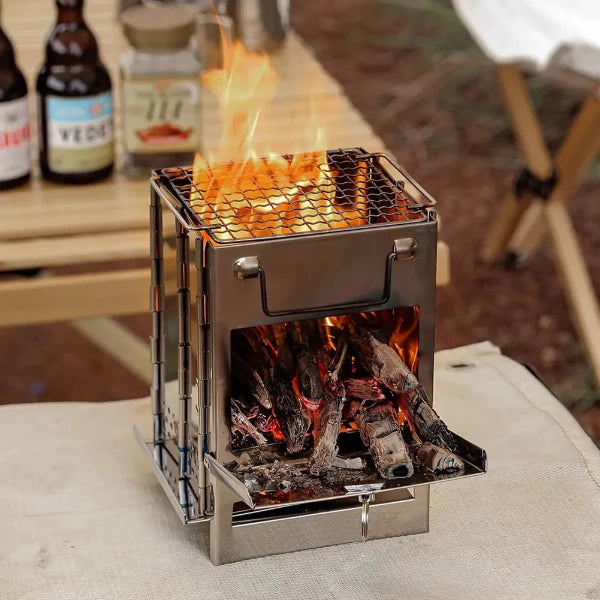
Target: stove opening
[
  {"x": 284, "y": 376},
  {"x": 322, "y": 403}
]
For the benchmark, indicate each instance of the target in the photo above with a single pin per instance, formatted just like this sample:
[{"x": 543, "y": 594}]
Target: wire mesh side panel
[{"x": 292, "y": 195}]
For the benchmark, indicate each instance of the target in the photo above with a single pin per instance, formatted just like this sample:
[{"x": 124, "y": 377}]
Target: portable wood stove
[{"x": 350, "y": 241}]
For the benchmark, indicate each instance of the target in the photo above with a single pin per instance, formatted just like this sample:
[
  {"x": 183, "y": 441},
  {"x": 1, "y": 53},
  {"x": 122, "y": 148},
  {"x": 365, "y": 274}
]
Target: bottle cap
[{"x": 159, "y": 27}]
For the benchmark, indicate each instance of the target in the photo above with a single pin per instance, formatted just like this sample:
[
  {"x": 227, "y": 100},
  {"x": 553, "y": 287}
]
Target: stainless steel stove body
[{"x": 214, "y": 276}]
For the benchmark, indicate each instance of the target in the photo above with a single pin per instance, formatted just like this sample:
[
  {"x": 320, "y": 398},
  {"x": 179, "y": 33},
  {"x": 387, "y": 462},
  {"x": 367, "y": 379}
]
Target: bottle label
[
  {"x": 161, "y": 115},
  {"x": 15, "y": 159},
  {"x": 80, "y": 133}
]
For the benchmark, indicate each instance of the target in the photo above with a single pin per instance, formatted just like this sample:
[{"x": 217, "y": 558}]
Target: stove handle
[{"x": 249, "y": 267}]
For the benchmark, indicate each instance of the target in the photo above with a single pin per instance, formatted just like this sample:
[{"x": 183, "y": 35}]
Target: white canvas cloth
[
  {"x": 553, "y": 35},
  {"x": 82, "y": 517}
]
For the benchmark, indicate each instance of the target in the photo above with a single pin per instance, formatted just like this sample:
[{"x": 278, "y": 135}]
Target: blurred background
[{"x": 414, "y": 72}]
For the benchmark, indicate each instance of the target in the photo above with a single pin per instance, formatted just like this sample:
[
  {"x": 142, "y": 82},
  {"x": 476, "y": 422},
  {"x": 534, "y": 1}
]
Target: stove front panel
[{"x": 235, "y": 301}]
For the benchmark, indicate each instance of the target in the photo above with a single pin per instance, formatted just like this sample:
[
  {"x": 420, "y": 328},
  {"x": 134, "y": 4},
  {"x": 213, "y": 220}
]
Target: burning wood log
[
  {"x": 364, "y": 389},
  {"x": 285, "y": 355},
  {"x": 329, "y": 419},
  {"x": 427, "y": 422},
  {"x": 264, "y": 421},
  {"x": 383, "y": 362},
  {"x": 386, "y": 365},
  {"x": 289, "y": 411},
  {"x": 380, "y": 431},
  {"x": 435, "y": 458},
  {"x": 249, "y": 378},
  {"x": 304, "y": 342},
  {"x": 309, "y": 377},
  {"x": 240, "y": 422},
  {"x": 439, "y": 460}
]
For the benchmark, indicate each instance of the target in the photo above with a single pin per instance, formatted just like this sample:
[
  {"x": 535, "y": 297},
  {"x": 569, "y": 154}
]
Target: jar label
[
  {"x": 161, "y": 115},
  {"x": 15, "y": 158},
  {"x": 80, "y": 133}
]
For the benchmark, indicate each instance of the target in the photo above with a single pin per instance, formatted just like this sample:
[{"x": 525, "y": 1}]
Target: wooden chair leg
[
  {"x": 495, "y": 244},
  {"x": 572, "y": 159},
  {"x": 577, "y": 282},
  {"x": 531, "y": 141}
]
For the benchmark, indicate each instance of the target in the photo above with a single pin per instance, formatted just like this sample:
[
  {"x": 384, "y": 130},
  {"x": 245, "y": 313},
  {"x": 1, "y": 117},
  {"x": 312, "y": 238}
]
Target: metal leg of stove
[
  {"x": 157, "y": 308},
  {"x": 184, "y": 359},
  {"x": 408, "y": 514},
  {"x": 202, "y": 373}
]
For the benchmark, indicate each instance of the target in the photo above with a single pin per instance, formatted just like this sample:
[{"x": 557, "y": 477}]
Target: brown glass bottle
[
  {"x": 15, "y": 159},
  {"x": 74, "y": 102}
]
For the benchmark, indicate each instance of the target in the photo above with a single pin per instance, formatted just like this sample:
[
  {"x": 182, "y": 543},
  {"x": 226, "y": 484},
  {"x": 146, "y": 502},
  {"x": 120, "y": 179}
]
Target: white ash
[
  {"x": 288, "y": 477},
  {"x": 348, "y": 463}
]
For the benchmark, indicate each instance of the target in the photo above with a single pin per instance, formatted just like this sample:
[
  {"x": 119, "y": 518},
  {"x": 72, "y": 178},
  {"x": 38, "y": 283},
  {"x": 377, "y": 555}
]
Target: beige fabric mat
[{"x": 81, "y": 516}]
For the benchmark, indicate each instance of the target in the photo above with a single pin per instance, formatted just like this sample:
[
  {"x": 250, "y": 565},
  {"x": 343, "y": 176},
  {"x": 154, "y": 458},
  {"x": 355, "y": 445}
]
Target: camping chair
[{"x": 561, "y": 39}]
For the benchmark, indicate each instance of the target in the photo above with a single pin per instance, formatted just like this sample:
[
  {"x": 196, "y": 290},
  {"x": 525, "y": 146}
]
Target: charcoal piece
[
  {"x": 386, "y": 365},
  {"x": 382, "y": 362},
  {"x": 264, "y": 420},
  {"x": 304, "y": 341},
  {"x": 439, "y": 460},
  {"x": 326, "y": 430},
  {"x": 342, "y": 477},
  {"x": 364, "y": 389},
  {"x": 249, "y": 379},
  {"x": 285, "y": 355},
  {"x": 329, "y": 419},
  {"x": 426, "y": 421},
  {"x": 309, "y": 377},
  {"x": 391, "y": 456},
  {"x": 241, "y": 423},
  {"x": 380, "y": 431},
  {"x": 289, "y": 411}
]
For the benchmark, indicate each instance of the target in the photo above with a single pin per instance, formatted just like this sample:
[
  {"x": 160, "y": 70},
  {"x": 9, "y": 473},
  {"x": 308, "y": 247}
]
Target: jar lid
[{"x": 158, "y": 27}]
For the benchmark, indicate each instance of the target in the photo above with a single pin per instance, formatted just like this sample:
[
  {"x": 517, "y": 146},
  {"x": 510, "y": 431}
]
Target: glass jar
[
  {"x": 261, "y": 25},
  {"x": 160, "y": 89}
]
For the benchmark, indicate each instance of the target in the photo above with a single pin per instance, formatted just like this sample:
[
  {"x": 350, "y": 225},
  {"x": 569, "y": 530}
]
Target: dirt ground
[{"x": 428, "y": 91}]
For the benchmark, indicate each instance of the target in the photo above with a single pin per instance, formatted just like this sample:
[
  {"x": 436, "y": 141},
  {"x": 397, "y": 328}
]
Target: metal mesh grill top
[{"x": 294, "y": 195}]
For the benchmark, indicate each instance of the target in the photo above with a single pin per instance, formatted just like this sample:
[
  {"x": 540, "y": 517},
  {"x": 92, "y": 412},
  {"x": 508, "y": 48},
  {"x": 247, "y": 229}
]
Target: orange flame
[
  {"x": 405, "y": 338},
  {"x": 276, "y": 195}
]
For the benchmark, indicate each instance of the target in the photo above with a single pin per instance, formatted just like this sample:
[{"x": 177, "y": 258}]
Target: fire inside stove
[
  {"x": 328, "y": 403},
  {"x": 303, "y": 193},
  {"x": 298, "y": 359}
]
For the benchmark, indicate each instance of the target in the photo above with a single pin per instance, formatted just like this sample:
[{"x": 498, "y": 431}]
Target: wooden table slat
[{"x": 47, "y": 225}]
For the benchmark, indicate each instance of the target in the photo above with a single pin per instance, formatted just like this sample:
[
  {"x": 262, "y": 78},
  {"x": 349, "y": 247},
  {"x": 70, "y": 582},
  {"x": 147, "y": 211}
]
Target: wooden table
[{"x": 48, "y": 226}]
